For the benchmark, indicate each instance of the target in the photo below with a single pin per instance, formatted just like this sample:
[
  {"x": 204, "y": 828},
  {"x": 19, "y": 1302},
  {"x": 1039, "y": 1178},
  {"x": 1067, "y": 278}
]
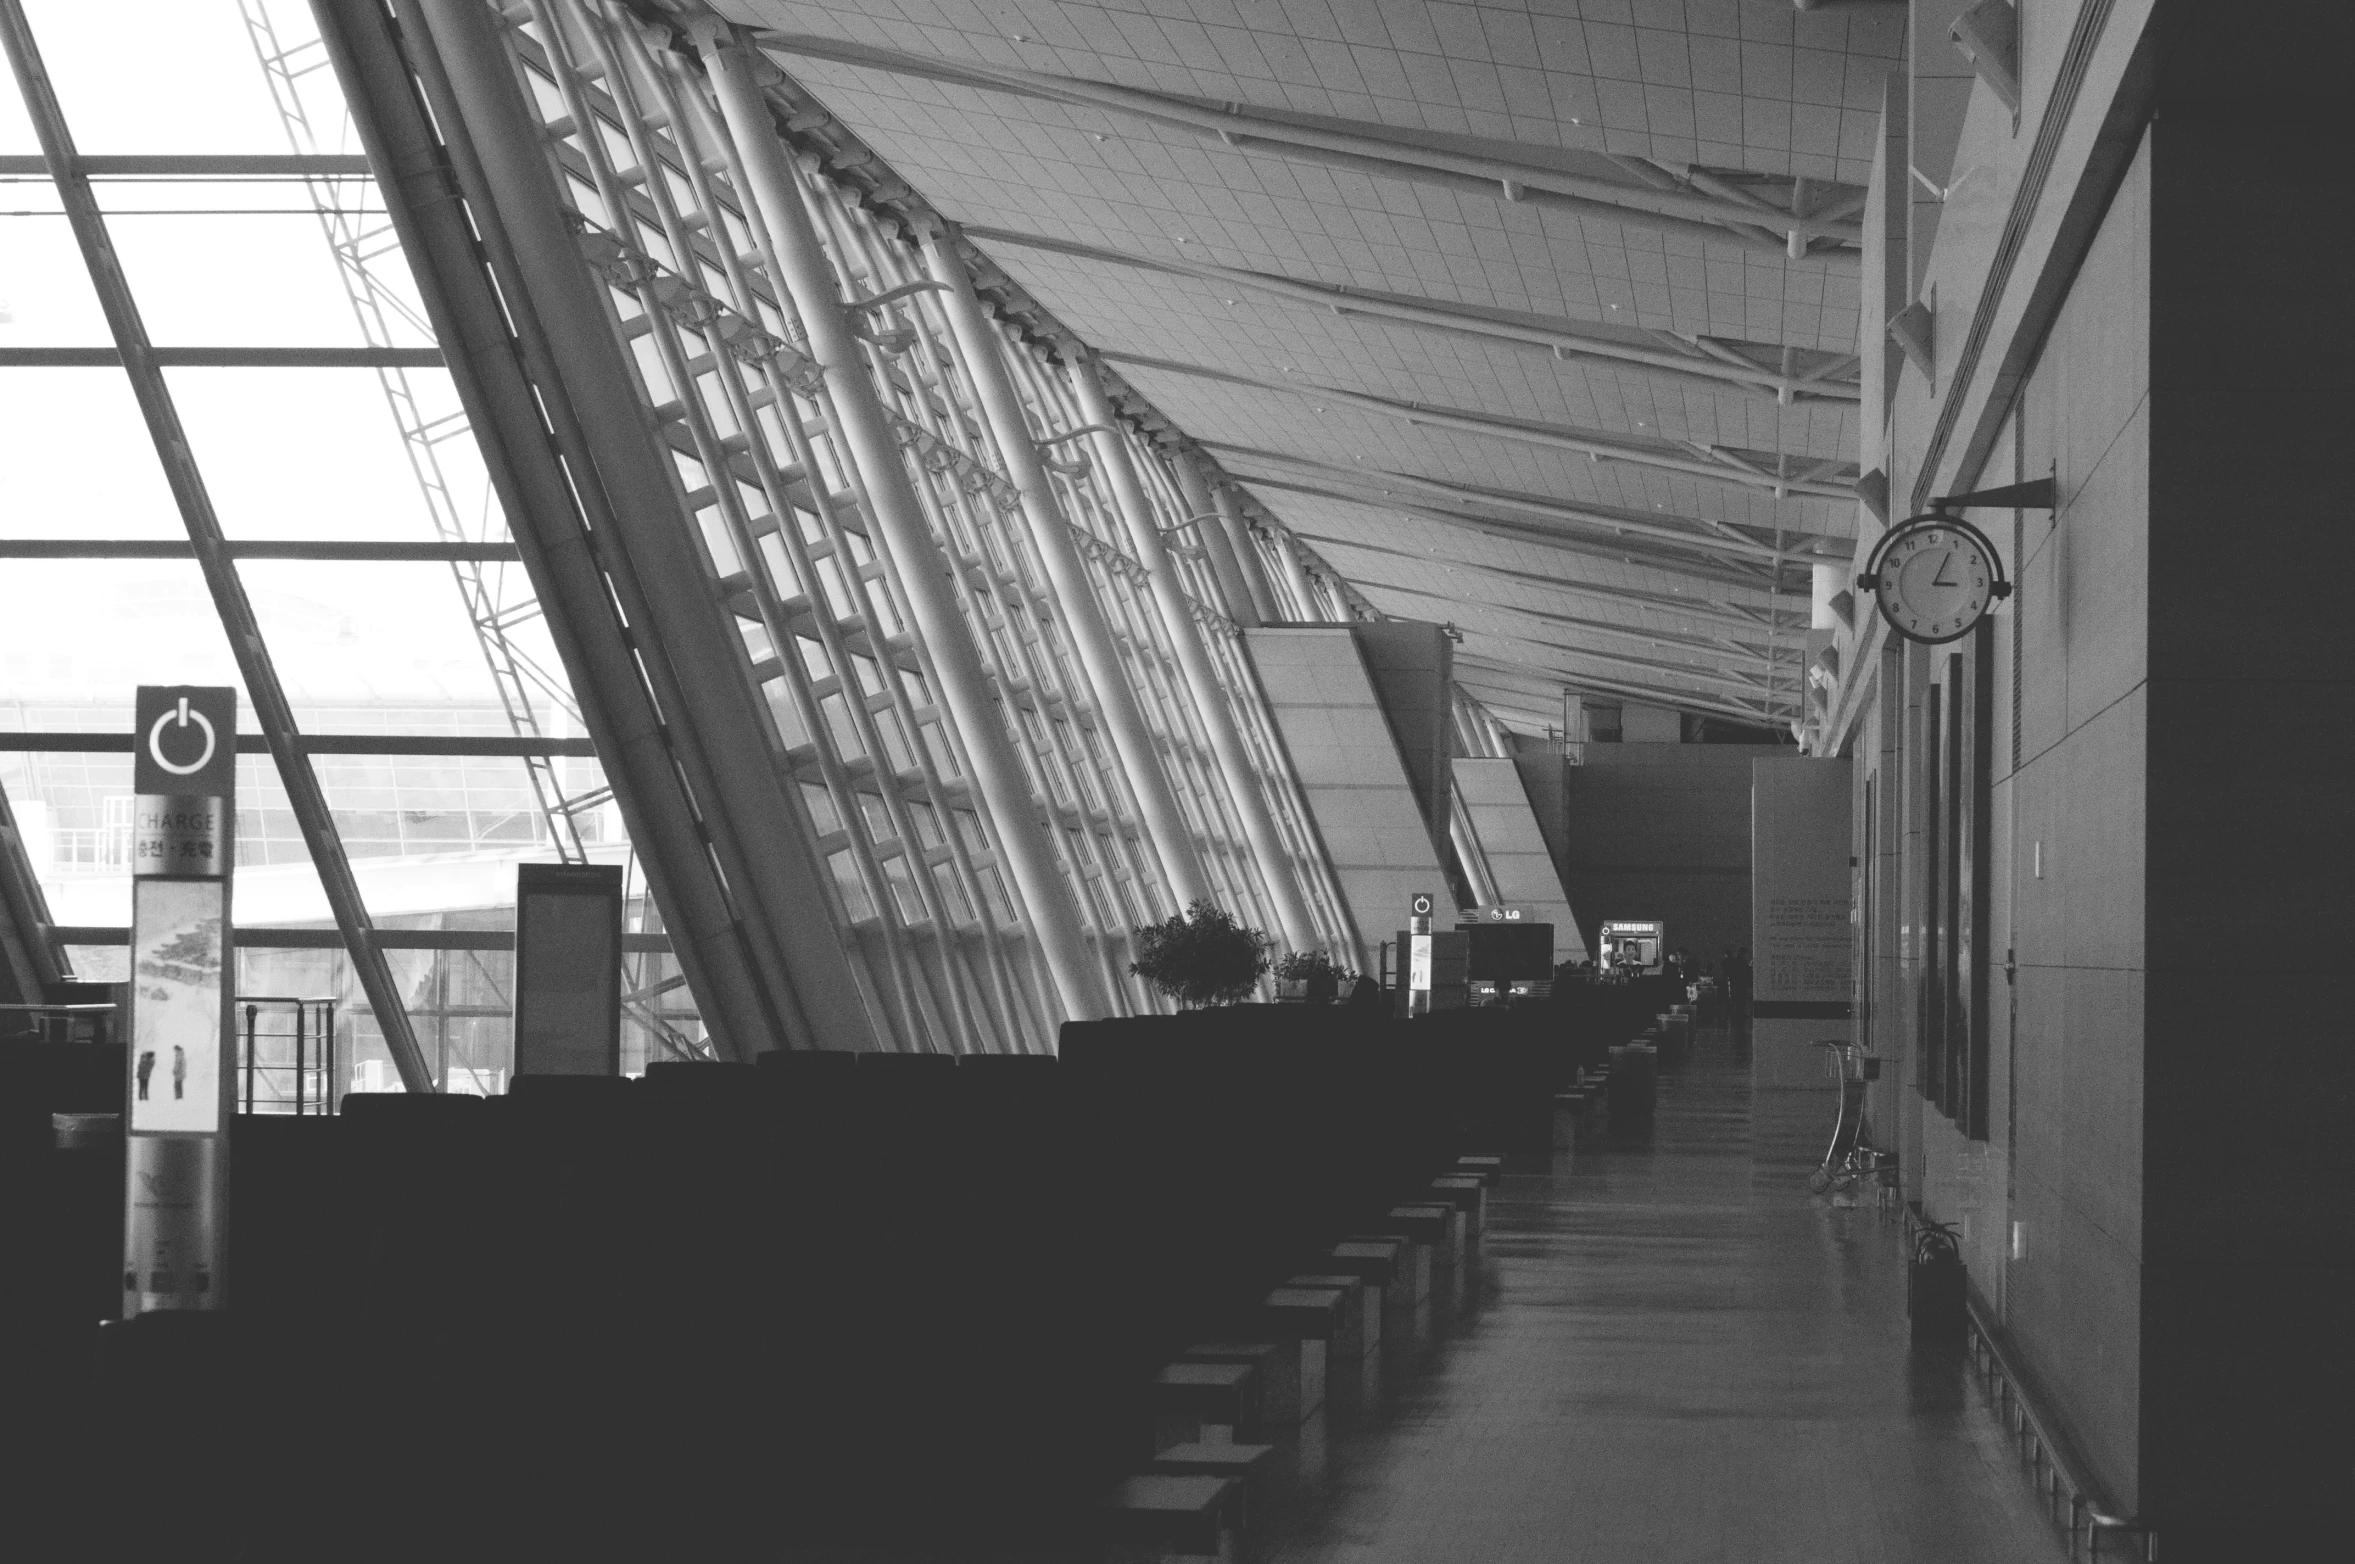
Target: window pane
[
  {"x": 252, "y": 281},
  {"x": 371, "y": 633},
  {"x": 174, "y": 75},
  {"x": 59, "y": 428},
  {"x": 46, "y": 300},
  {"x": 319, "y": 453},
  {"x": 78, "y": 631}
]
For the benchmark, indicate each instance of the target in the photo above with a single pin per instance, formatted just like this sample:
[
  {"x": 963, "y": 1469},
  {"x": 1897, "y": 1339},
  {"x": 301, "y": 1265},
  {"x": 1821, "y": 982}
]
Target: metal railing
[
  {"x": 286, "y": 1056},
  {"x": 91, "y": 1023},
  {"x": 2069, "y": 1499}
]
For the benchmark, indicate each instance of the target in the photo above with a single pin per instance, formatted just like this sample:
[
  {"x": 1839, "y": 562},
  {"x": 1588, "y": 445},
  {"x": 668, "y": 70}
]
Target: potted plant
[
  {"x": 1201, "y": 956},
  {"x": 1311, "y": 977}
]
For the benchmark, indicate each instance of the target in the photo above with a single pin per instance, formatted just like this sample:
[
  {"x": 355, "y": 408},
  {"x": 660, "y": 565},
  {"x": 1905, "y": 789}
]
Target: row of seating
[{"x": 844, "y": 1295}]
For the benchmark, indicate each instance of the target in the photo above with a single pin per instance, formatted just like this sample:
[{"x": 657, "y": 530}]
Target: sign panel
[
  {"x": 1801, "y": 885},
  {"x": 179, "y": 833},
  {"x": 186, "y": 741},
  {"x": 1418, "y": 963},
  {"x": 568, "y": 969},
  {"x": 178, "y": 1070},
  {"x": 1801, "y": 935}
]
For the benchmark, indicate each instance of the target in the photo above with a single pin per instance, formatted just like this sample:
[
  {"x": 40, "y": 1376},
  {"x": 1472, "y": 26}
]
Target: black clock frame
[{"x": 1999, "y": 586}]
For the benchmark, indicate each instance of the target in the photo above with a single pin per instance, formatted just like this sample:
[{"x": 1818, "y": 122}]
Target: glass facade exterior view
[{"x": 365, "y": 568}]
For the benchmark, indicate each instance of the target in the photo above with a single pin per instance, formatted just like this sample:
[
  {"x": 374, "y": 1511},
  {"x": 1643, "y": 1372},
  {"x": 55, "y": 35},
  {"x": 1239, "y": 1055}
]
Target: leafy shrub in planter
[
  {"x": 1320, "y": 977},
  {"x": 1202, "y": 956}
]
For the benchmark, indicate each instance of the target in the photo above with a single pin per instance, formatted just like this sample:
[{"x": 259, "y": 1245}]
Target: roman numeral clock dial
[{"x": 1934, "y": 576}]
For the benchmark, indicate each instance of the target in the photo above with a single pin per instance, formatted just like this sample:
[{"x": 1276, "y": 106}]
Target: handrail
[{"x": 2090, "y": 1511}]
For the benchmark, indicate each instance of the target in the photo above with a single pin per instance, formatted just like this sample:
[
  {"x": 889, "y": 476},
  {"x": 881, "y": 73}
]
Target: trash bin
[{"x": 1934, "y": 1285}]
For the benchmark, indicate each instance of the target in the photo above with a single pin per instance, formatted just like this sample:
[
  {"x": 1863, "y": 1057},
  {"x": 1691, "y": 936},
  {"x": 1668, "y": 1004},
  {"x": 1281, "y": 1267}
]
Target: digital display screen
[
  {"x": 1502, "y": 952},
  {"x": 1633, "y": 943},
  {"x": 176, "y": 1017}
]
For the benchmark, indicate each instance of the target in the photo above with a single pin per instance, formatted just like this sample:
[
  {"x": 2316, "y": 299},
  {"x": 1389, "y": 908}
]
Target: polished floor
[{"x": 1670, "y": 1353}]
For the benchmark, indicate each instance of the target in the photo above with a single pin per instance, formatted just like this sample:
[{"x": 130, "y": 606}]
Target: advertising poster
[{"x": 176, "y": 1007}]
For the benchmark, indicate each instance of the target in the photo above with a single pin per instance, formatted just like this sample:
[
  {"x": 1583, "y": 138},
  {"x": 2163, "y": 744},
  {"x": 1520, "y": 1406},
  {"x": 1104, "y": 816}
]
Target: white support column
[
  {"x": 1210, "y": 698},
  {"x": 1246, "y": 550},
  {"x": 1210, "y": 526},
  {"x": 1296, "y": 576},
  {"x": 1099, "y": 654},
  {"x": 800, "y": 264}
]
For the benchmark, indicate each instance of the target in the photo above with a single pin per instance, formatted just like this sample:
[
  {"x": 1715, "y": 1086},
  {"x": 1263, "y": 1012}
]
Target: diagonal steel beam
[
  {"x": 1563, "y": 337},
  {"x": 273, "y": 713},
  {"x": 1565, "y": 179},
  {"x": 1700, "y": 461}
]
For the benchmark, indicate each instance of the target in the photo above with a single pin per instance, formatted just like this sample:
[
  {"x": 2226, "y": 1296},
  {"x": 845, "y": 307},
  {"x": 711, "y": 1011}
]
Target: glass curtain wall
[
  {"x": 780, "y": 508},
  {"x": 390, "y": 598},
  {"x": 384, "y": 591}
]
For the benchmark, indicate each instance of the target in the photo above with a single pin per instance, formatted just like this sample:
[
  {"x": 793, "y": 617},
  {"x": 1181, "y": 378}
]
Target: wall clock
[{"x": 1935, "y": 576}]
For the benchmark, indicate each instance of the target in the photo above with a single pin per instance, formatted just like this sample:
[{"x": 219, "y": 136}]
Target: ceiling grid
[{"x": 1749, "y": 93}]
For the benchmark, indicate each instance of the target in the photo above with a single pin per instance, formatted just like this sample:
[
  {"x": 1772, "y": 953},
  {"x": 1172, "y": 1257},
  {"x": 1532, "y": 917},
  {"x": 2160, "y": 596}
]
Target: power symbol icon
[{"x": 182, "y": 718}]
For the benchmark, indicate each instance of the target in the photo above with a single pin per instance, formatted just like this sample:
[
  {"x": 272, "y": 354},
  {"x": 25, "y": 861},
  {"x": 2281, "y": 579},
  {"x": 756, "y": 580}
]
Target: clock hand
[{"x": 1940, "y": 580}]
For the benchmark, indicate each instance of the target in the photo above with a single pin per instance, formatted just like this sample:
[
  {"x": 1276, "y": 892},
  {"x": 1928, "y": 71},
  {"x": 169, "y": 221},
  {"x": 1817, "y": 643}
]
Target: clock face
[{"x": 1934, "y": 580}]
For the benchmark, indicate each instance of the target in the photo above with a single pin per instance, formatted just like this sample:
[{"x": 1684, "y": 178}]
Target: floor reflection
[{"x": 1666, "y": 1350}]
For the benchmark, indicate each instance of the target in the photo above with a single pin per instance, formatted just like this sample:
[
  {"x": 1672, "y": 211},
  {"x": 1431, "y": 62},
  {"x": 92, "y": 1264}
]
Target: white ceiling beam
[
  {"x": 1620, "y": 552},
  {"x": 1490, "y": 670},
  {"x": 1717, "y": 463},
  {"x": 1563, "y": 178},
  {"x": 1715, "y": 611},
  {"x": 1725, "y": 682},
  {"x": 1612, "y": 519},
  {"x": 1564, "y": 338},
  {"x": 1660, "y": 638}
]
